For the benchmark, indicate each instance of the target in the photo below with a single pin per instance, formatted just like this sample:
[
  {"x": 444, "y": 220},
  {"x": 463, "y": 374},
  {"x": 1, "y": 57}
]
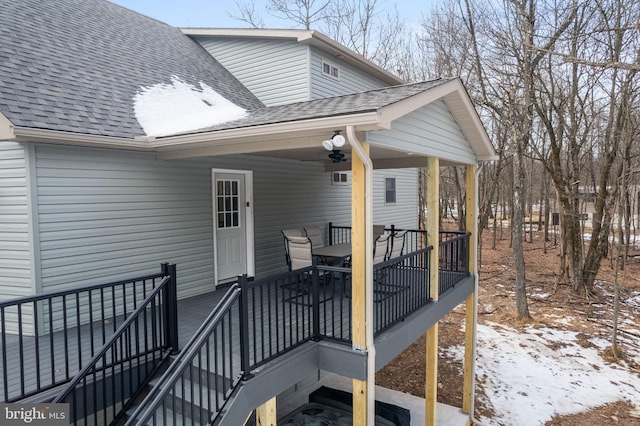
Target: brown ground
[{"x": 497, "y": 304}]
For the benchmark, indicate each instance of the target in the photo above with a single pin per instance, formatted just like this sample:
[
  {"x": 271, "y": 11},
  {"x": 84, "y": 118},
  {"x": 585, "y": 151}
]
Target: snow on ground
[
  {"x": 168, "y": 109},
  {"x": 531, "y": 375}
]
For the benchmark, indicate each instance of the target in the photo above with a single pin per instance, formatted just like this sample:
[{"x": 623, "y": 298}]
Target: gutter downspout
[
  {"x": 370, "y": 347},
  {"x": 475, "y": 302}
]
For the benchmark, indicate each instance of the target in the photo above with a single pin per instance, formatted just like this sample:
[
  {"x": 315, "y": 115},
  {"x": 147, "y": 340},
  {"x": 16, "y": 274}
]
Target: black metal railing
[
  {"x": 46, "y": 339},
  {"x": 400, "y": 287},
  {"x": 255, "y": 322},
  {"x": 414, "y": 239},
  {"x": 279, "y": 314},
  {"x": 201, "y": 379},
  {"x": 333, "y": 316},
  {"x": 453, "y": 259},
  {"x": 109, "y": 382},
  {"x": 258, "y": 321}
]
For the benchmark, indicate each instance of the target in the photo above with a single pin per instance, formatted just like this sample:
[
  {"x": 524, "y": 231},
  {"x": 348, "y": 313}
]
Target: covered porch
[{"x": 274, "y": 324}]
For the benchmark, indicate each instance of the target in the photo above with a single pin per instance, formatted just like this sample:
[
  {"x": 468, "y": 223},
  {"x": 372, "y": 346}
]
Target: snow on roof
[
  {"x": 531, "y": 375},
  {"x": 168, "y": 109}
]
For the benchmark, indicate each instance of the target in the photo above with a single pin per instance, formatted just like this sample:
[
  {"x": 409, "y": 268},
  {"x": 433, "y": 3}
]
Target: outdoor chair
[
  {"x": 381, "y": 248},
  {"x": 288, "y": 233},
  {"x": 397, "y": 244},
  {"x": 387, "y": 247},
  {"x": 315, "y": 235},
  {"x": 298, "y": 249},
  {"x": 299, "y": 252},
  {"x": 377, "y": 231}
]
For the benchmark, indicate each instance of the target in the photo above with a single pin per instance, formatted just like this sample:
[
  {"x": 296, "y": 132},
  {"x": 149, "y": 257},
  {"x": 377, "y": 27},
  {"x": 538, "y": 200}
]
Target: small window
[
  {"x": 389, "y": 190},
  {"x": 227, "y": 195},
  {"x": 339, "y": 178},
  {"x": 330, "y": 70}
]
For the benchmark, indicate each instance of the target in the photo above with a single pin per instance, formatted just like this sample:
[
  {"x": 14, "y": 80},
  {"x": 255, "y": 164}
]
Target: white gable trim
[
  {"x": 6, "y": 128},
  {"x": 458, "y": 102}
]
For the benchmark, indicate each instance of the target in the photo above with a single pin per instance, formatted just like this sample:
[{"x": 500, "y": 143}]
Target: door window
[{"x": 228, "y": 199}]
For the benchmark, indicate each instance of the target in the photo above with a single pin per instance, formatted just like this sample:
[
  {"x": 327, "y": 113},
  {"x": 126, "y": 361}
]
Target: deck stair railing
[
  {"x": 203, "y": 376},
  {"x": 46, "y": 339},
  {"x": 109, "y": 382},
  {"x": 271, "y": 316}
]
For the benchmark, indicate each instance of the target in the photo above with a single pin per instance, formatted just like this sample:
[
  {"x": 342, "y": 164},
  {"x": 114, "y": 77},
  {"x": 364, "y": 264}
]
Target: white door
[{"x": 230, "y": 224}]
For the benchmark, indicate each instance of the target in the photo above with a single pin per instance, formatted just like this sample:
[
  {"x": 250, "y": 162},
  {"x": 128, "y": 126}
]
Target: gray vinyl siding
[
  {"x": 351, "y": 79},
  {"x": 275, "y": 71},
  {"x": 430, "y": 130},
  {"x": 15, "y": 247},
  {"x": 404, "y": 213},
  {"x": 107, "y": 215}
]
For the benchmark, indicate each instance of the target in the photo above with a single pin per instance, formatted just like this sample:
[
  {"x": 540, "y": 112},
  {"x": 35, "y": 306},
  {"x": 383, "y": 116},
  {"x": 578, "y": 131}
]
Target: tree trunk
[{"x": 517, "y": 232}]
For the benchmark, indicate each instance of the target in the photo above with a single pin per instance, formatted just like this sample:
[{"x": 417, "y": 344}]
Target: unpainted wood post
[
  {"x": 358, "y": 280},
  {"x": 433, "y": 225},
  {"x": 470, "y": 303},
  {"x": 266, "y": 413}
]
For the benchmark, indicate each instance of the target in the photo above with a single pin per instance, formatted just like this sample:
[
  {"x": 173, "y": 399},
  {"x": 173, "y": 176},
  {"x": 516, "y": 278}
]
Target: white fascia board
[
  {"x": 401, "y": 108},
  {"x": 363, "y": 122},
  {"x": 25, "y": 134},
  {"x": 260, "y": 33},
  {"x": 6, "y": 128}
]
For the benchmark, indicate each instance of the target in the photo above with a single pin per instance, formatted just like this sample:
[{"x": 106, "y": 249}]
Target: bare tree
[
  {"x": 301, "y": 12},
  {"x": 246, "y": 12}
]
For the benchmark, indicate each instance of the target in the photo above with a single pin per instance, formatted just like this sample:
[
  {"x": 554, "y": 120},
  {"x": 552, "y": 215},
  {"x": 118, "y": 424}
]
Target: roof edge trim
[
  {"x": 6, "y": 128},
  {"x": 485, "y": 140},
  {"x": 27, "y": 134},
  {"x": 363, "y": 121}
]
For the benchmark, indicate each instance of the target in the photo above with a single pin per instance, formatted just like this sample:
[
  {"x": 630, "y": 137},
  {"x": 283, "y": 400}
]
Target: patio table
[{"x": 339, "y": 252}]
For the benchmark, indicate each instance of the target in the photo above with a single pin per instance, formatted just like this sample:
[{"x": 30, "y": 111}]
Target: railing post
[
  {"x": 466, "y": 252},
  {"x": 330, "y": 233},
  {"x": 315, "y": 288},
  {"x": 244, "y": 327},
  {"x": 171, "y": 307}
]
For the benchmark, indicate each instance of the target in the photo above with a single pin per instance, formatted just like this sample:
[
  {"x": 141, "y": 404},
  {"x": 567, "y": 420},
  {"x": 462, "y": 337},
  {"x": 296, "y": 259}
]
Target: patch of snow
[
  {"x": 633, "y": 300},
  {"x": 532, "y": 375},
  {"x": 168, "y": 109}
]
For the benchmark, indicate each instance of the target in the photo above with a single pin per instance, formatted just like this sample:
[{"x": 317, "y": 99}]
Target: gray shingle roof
[
  {"x": 75, "y": 65},
  {"x": 330, "y": 107}
]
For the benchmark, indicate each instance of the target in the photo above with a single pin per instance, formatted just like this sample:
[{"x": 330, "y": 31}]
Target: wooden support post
[
  {"x": 358, "y": 278},
  {"x": 470, "y": 303},
  {"x": 266, "y": 413},
  {"x": 433, "y": 228}
]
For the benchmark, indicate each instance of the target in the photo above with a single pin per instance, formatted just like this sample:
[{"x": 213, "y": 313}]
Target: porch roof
[{"x": 296, "y": 130}]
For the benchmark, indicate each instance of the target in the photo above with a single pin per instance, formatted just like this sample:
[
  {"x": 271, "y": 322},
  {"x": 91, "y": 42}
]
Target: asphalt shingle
[{"x": 76, "y": 65}]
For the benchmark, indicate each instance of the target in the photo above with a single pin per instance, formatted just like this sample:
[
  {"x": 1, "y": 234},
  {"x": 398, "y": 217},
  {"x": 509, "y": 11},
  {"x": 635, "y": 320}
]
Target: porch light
[{"x": 336, "y": 141}]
